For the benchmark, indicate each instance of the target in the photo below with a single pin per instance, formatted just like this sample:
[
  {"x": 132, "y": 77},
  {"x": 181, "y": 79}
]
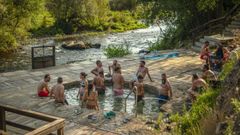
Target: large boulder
[{"x": 80, "y": 45}]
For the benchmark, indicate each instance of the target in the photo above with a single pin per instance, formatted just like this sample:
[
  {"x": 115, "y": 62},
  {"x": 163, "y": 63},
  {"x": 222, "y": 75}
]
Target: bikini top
[
  {"x": 82, "y": 84},
  {"x": 199, "y": 89}
]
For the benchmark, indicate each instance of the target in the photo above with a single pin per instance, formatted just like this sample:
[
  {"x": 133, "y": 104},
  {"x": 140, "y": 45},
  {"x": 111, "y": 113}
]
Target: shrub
[
  {"x": 168, "y": 40},
  {"x": 117, "y": 50},
  {"x": 189, "y": 121},
  {"x": 7, "y": 42}
]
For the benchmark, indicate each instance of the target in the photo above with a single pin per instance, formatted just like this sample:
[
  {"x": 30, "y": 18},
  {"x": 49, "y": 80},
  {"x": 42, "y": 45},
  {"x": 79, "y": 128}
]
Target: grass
[
  {"x": 188, "y": 123},
  {"x": 117, "y": 50},
  {"x": 227, "y": 67},
  {"x": 195, "y": 121}
]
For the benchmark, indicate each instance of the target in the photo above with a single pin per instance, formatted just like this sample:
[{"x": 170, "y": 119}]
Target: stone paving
[{"x": 19, "y": 88}]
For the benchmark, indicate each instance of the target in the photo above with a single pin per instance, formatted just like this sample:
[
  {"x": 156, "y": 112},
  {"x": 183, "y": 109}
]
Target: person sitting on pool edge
[
  {"x": 138, "y": 88},
  {"x": 198, "y": 86},
  {"x": 43, "y": 89},
  {"x": 57, "y": 92},
  {"x": 92, "y": 99},
  {"x": 82, "y": 93},
  {"x": 98, "y": 82},
  {"x": 166, "y": 89},
  {"x": 118, "y": 82},
  {"x": 209, "y": 76}
]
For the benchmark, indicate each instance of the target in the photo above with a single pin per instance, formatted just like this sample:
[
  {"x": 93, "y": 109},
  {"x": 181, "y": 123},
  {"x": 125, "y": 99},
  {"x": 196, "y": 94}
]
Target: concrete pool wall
[{"x": 148, "y": 88}]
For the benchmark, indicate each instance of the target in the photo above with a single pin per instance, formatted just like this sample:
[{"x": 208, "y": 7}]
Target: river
[{"x": 136, "y": 39}]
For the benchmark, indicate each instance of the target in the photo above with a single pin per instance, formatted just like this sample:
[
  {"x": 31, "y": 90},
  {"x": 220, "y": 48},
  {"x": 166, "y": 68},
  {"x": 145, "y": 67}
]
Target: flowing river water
[{"x": 136, "y": 39}]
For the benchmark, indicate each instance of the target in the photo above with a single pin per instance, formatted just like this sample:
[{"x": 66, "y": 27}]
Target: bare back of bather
[
  {"x": 58, "y": 91},
  {"x": 118, "y": 82}
]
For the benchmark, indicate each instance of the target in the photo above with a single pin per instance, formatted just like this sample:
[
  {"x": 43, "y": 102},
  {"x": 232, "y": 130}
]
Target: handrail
[
  {"x": 136, "y": 98},
  {"x": 224, "y": 18},
  {"x": 126, "y": 99},
  {"x": 55, "y": 123}
]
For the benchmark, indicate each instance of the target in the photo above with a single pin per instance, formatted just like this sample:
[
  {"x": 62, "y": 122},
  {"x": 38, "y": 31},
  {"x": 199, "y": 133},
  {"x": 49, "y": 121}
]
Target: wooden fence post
[
  {"x": 2, "y": 120},
  {"x": 60, "y": 131}
]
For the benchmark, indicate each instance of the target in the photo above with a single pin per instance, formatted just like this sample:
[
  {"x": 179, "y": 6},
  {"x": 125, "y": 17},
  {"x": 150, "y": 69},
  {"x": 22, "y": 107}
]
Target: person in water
[
  {"x": 92, "y": 99},
  {"x": 118, "y": 82},
  {"x": 113, "y": 67},
  {"x": 83, "y": 90},
  {"x": 98, "y": 69},
  {"x": 98, "y": 83},
  {"x": 198, "y": 86},
  {"x": 139, "y": 89},
  {"x": 166, "y": 89},
  {"x": 58, "y": 92},
  {"x": 142, "y": 70},
  {"x": 43, "y": 89}
]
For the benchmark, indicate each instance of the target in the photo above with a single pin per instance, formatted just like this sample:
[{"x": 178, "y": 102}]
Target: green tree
[{"x": 17, "y": 17}]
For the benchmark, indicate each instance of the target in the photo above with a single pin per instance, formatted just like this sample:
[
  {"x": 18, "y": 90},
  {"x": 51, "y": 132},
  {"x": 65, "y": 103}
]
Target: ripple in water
[{"x": 109, "y": 102}]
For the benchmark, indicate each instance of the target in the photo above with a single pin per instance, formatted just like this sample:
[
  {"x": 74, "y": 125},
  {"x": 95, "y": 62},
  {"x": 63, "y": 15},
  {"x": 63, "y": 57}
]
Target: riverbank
[{"x": 136, "y": 39}]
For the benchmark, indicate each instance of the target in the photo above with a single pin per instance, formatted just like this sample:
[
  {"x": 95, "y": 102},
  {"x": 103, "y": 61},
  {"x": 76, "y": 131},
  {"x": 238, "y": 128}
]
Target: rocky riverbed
[{"x": 136, "y": 39}]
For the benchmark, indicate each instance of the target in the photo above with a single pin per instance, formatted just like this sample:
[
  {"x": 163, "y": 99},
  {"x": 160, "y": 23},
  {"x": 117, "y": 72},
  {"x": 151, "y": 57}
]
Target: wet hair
[
  {"x": 46, "y": 76},
  {"x": 143, "y": 62},
  {"x": 206, "y": 42},
  {"x": 90, "y": 88},
  {"x": 206, "y": 66},
  {"x": 164, "y": 74},
  {"x": 60, "y": 80},
  {"x": 140, "y": 77},
  {"x": 195, "y": 76},
  {"x": 98, "y": 61},
  {"x": 83, "y": 74},
  {"x": 116, "y": 69},
  {"x": 100, "y": 73}
]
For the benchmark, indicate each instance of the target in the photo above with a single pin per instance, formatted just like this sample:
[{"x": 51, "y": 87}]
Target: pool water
[{"x": 109, "y": 102}]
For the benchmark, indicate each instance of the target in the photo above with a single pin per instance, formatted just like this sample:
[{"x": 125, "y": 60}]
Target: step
[
  {"x": 229, "y": 29},
  {"x": 235, "y": 23},
  {"x": 212, "y": 38},
  {"x": 231, "y": 26},
  {"x": 228, "y": 33}
]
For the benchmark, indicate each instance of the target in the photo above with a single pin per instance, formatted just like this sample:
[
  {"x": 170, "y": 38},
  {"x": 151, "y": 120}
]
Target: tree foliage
[
  {"x": 16, "y": 18},
  {"x": 184, "y": 15},
  {"x": 21, "y": 18}
]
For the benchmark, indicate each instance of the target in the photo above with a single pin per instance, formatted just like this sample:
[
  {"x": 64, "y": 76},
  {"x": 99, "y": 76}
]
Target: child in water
[
  {"x": 138, "y": 86},
  {"x": 92, "y": 99},
  {"x": 83, "y": 90}
]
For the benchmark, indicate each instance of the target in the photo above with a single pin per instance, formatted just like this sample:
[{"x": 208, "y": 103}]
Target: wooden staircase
[{"x": 226, "y": 34}]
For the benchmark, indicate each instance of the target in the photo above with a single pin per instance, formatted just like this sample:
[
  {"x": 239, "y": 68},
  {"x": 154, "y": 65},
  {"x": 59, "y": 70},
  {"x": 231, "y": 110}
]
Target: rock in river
[{"x": 80, "y": 45}]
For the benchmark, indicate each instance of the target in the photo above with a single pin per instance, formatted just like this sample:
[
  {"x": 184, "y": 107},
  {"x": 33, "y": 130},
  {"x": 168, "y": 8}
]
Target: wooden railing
[
  {"x": 54, "y": 123},
  {"x": 214, "y": 24}
]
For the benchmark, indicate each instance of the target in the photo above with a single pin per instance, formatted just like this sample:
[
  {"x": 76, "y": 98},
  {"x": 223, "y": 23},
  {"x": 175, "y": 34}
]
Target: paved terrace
[{"x": 19, "y": 89}]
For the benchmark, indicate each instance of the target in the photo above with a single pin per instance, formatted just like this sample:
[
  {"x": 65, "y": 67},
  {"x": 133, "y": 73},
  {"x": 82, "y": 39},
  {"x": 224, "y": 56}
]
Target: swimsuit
[
  {"x": 43, "y": 93},
  {"x": 100, "y": 90},
  {"x": 139, "y": 98},
  {"x": 91, "y": 101},
  {"x": 163, "y": 98},
  {"x": 199, "y": 89},
  {"x": 82, "y": 88},
  {"x": 118, "y": 92}
]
